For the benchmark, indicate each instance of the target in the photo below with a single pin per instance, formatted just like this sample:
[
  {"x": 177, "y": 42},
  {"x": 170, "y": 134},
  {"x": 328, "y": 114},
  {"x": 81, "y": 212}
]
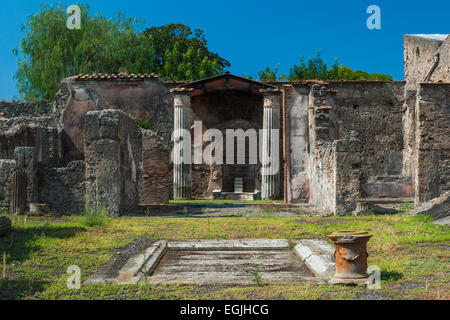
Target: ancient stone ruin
[{"x": 340, "y": 142}]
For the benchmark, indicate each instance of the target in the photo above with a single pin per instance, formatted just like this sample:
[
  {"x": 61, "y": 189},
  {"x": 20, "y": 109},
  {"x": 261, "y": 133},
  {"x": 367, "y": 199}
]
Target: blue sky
[{"x": 254, "y": 34}]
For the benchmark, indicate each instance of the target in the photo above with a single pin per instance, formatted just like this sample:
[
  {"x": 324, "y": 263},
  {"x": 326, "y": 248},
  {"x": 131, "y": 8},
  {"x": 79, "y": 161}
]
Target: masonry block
[{"x": 113, "y": 150}]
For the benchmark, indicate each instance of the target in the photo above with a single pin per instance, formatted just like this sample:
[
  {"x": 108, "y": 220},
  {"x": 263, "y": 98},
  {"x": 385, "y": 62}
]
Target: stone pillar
[
  {"x": 270, "y": 184},
  {"x": 18, "y": 196},
  {"x": 26, "y": 161},
  {"x": 182, "y": 181},
  {"x": 113, "y": 152}
]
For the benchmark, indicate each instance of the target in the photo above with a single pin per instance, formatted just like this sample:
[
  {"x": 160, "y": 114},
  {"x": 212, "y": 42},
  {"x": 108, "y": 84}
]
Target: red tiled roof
[{"x": 117, "y": 76}]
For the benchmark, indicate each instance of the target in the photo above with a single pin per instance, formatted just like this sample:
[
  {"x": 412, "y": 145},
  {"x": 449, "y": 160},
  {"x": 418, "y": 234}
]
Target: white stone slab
[
  {"x": 136, "y": 268},
  {"x": 251, "y": 244},
  {"x": 318, "y": 255}
]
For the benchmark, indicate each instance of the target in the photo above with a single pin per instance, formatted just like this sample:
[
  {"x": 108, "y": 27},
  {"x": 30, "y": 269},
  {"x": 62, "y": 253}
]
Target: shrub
[
  {"x": 142, "y": 123},
  {"x": 95, "y": 216}
]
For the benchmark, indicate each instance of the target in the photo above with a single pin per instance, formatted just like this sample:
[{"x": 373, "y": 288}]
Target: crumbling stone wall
[
  {"x": 148, "y": 99},
  {"x": 335, "y": 163},
  {"x": 420, "y": 54},
  {"x": 63, "y": 188},
  {"x": 26, "y": 161},
  {"x": 432, "y": 157},
  {"x": 21, "y": 108},
  {"x": 156, "y": 169},
  {"x": 7, "y": 167},
  {"x": 44, "y": 138},
  {"x": 113, "y": 151},
  {"x": 14, "y": 137},
  {"x": 347, "y": 159},
  {"x": 371, "y": 111},
  {"x": 442, "y": 71}
]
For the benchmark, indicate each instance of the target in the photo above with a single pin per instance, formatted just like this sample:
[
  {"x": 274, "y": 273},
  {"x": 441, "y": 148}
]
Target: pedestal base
[{"x": 357, "y": 282}]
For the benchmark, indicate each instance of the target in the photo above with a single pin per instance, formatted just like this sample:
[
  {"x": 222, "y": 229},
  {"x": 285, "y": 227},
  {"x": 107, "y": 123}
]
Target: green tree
[
  {"x": 50, "y": 51},
  {"x": 317, "y": 69},
  {"x": 189, "y": 65},
  {"x": 183, "y": 54},
  {"x": 267, "y": 74}
]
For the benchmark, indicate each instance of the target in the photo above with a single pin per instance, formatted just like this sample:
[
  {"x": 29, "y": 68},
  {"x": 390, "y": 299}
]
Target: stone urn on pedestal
[{"x": 351, "y": 257}]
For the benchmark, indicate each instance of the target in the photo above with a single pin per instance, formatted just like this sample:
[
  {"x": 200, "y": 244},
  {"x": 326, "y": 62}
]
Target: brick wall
[{"x": 156, "y": 169}]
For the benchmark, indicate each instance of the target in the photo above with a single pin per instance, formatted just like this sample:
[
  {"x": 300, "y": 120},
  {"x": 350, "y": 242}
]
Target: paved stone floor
[
  {"x": 203, "y": 210},
  {"x": 229, "y": 267}
]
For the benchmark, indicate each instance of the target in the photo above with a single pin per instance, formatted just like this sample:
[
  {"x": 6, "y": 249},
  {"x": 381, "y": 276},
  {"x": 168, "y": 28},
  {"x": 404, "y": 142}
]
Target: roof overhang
[{"x": 224, "y": 82}]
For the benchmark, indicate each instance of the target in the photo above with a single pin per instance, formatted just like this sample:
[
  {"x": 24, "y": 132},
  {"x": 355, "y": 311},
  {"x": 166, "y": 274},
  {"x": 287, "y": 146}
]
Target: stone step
[
  {"x": 238, "y": 185},
  {"x": 383, "y": 205},
  {"x": 387, "y": 200}
]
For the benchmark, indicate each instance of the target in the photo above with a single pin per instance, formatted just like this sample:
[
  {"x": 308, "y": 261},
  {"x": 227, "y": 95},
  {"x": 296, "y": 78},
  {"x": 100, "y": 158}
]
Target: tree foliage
[
  {"x": 183, "y": 54},
  {"x": 189, "y": 65},
  {"x": 317, "y": 68},
  {"x": 50, "y": 51},
  {"x": 268, "y": 75}
]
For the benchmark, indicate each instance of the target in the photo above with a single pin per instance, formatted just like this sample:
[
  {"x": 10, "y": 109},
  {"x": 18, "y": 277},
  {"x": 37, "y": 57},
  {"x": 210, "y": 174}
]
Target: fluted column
[
  {"x": 18, "y": 196},
  {"x": 26, "y": 161},
  {"x": 182, "y": 183},
  {"x": 270, "y": 144}
]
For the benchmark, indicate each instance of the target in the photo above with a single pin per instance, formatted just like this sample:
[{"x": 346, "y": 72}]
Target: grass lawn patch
[{"x": 412, "y": 253}]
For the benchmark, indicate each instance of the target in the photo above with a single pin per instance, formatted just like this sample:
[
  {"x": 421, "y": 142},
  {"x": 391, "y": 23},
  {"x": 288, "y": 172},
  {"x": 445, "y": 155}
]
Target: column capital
[
  {"x": 181, "y": 97},
  {"x": 181, "y": 91},
  {"x": 271, "y": 97},
  {"x": 270, "y": 91}
]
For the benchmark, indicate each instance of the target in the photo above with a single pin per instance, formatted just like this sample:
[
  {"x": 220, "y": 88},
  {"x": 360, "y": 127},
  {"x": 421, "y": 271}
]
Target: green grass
[
  {"x": 225, "y": 201},
  {"x": 95, "y": 216},
  {"x": 413, "y": 255}
]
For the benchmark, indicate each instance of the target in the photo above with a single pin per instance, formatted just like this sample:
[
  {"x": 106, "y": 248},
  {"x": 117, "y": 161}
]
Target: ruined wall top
[{"x": 420, "y": 58}]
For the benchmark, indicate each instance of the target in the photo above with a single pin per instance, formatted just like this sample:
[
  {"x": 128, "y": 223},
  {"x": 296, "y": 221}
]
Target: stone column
[
  {"x": 18, "y": 196},
  {"x": 270, "y": 144},
  {"x": 182, "y": 181},
  {"x": 26, "y": 161}
]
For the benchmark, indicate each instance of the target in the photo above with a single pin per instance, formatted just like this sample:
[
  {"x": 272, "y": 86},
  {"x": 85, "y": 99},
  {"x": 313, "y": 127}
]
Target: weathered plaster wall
[
  {"x": 321, "y": 125},
  {"x": 432, "y": 158},
  {"x": 322, "y": 178},
  {"x": 113, "y": 152},
  {"x": 296, "y": 100},
  {"x": 149, "y": 99}
]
